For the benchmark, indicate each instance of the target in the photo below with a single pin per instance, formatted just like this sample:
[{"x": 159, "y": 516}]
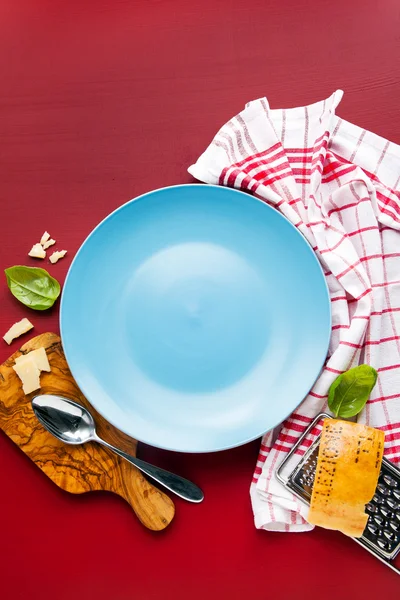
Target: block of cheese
[
  {"x": 348, "y": 467},
  {"x": 29, "y": 373},
  {"x": 39, "y": 356},
  {"x": 17, "y": 329}
]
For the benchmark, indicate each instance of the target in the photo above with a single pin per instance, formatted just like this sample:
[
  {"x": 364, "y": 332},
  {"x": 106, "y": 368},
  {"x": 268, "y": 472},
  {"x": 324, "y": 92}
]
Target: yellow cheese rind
[
  {"x": 29, "y": 374},
  {"x": 17, "y": 329},
  {"x": 347, "y": 472}
]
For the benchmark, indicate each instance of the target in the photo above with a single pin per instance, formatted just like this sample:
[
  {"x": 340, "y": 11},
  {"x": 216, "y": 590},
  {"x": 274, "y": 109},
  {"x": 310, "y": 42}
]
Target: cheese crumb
[
  {"x": 44, "y": 238},
  {"x": 57, "y": 255},
  {"x": 37, "y": 251},
  {"x": 48, "y": 244},
  {"x": 29, "y": 373},
  {"x": 17, "y": 329},
  {"x": 39, "y": 356}
]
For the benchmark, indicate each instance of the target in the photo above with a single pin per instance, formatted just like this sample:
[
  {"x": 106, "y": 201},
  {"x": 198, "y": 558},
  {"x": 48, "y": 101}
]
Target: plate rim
[{"x": 81, "y": 384}]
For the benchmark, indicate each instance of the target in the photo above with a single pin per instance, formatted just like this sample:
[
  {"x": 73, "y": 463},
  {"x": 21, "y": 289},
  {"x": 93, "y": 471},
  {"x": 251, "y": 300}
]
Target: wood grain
[
  {"x": 104, "y": 100},
  {"x": 76, "y": 469}
]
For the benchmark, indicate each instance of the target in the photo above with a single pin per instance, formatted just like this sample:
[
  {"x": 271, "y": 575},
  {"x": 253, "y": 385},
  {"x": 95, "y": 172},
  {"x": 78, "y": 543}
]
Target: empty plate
[{"x": 195, "y": 318}]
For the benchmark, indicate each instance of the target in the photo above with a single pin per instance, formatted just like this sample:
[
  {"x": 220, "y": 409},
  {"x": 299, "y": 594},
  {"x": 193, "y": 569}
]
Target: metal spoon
[{"x": 73, "y": 424}]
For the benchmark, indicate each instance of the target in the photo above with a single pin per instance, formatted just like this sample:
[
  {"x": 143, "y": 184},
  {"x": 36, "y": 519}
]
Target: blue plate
[{"x": 195, "y": 318}]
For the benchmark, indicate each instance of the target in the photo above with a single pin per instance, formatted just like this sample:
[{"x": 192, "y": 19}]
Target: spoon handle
[{"x": 178, "y": 485}]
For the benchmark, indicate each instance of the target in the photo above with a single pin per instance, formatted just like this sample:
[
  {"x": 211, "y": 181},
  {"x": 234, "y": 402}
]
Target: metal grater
[{"x": 381, "y": 536}]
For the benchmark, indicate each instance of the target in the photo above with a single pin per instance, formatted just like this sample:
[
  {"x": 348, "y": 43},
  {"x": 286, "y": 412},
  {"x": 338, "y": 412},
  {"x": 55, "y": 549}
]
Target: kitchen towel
[{"x": 340, "y": 185}]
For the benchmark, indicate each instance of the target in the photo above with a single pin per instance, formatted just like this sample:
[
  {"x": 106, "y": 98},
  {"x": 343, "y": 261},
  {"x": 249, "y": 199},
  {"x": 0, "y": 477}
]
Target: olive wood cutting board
[{"x": 76, "y": 469}]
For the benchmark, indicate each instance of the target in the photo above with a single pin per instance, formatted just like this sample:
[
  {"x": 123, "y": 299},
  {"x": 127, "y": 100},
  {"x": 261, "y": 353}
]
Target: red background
[{"x": 99, "y": 102}]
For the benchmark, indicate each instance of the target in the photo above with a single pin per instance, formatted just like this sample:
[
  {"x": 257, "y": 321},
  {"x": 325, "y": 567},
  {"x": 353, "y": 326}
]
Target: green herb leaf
[
  {"x": 32, "y": 286},
  {"x": 350, "y": 391}
]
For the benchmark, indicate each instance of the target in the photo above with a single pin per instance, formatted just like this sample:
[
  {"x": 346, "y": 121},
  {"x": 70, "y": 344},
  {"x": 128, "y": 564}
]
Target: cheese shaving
[
  {"x": 28, "y": 368},
  {"x": 29, "y": 374},
  {"x": 44, "y": 238},
  {"x": 37, "y": 251},
  {"x": 39, "y": 356},
  {"x": 17, "y": 329},
  {"x": 49, "y": 243},
  {"x": 55, "y": 257}
]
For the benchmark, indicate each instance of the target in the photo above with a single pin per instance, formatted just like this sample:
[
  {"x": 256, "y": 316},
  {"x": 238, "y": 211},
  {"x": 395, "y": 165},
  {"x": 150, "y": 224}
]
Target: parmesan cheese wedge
[
  {"x": 29, "y": 374},
  {"x": 39, "y": 356},
  {"x": 17, "y": 329},
  {"x": 37, "y": 251},
  {"x": 347, "y": 472},
  {"x": 57, "y": 255}
]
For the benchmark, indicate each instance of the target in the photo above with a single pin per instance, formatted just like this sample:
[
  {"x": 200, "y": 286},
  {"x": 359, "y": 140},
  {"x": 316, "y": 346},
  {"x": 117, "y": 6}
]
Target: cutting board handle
[{"x": 76, "y": 469}]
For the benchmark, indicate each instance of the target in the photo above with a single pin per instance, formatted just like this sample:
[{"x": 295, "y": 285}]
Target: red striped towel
[{"x": 340, "y": 185}]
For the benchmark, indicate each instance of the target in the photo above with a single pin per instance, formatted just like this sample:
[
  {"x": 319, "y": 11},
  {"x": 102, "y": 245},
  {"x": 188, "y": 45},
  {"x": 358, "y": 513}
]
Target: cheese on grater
[{"x": 346, "y": 476}]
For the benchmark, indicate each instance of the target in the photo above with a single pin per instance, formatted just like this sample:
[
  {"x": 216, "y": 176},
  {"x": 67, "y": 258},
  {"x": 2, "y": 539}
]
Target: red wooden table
[{"x": 101, "y": 101}]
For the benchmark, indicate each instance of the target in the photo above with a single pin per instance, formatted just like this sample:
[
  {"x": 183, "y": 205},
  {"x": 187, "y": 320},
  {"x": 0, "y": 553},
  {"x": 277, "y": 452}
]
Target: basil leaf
[
  {"x": 32, "y": 286},
  {"x": 351, "y": 390}
]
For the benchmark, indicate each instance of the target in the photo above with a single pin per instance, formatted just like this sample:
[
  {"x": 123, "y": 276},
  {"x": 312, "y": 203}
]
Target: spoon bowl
[{"x": 66, "y": 420}]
